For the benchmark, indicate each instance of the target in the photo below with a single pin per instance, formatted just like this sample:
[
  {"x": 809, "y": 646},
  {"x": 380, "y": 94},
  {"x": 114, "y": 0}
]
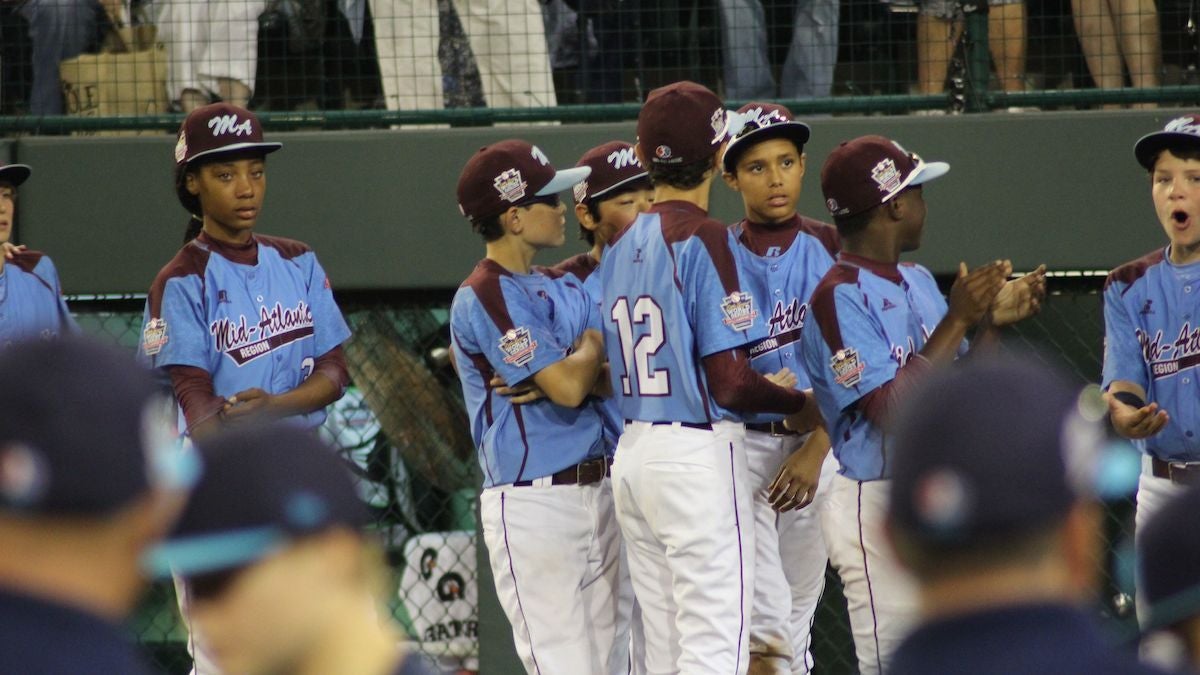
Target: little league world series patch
[
  {"x": 518, "y": 346},
  {"x": 847, "y": 368},
  {"x": 154, "y": 336},
  {"x": 738, "y": 308}
]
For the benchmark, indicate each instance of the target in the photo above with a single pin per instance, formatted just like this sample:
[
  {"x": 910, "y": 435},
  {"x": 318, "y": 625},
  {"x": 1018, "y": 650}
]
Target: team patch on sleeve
[
  {"x": 739, "y": 311},
  {"x": 154, "y": 336},
  {"x": 847, "y": 368},
  {"x": 518, "y": 346}
]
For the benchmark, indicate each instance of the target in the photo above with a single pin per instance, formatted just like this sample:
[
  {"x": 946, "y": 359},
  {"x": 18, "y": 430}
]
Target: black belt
[
  {"x": 773, "y": 428},
  {"x": 690, "y": 425},
  {"x": 583, "y": 473},
  {"x": 1180, "y": 473}
]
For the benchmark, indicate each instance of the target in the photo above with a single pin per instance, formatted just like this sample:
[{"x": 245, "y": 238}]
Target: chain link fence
[
  {"x": 113, "y": 59},
  {"x": 402, "y": 430}
]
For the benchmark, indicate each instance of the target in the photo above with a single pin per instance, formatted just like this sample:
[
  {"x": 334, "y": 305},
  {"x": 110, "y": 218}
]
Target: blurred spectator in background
[
  {"x": 212, "y": 48},
  {"x": 1168, "y": 551},
  {"x": 1116, "y": 31},
  {"x": 58, "y": 30},
  {"x": 808, "y": 69},
  {"x": 940, "y": 28},
  {"x": 506, "y": 37}
]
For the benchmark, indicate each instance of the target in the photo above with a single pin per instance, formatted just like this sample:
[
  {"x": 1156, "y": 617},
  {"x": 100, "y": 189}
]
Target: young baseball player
[
  {"x": 879, "y": 325},
  {"x": 546, "y": 507},
  {"x": 280, "y": 575},
  {"x": 245, "y": 324},
  {"x": 1151, "y": 348},
  {"x": 677, "y": 320},
  {"x": 31, "y": 300},
  {"x": 782, "y": 256}
]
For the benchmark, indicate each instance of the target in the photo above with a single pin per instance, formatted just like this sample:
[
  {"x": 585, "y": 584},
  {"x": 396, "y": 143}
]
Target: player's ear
[
  {"x": 510, "y": 220},
  {"x": 191, "y": 182},
  {"x": 803, "y": 162},
  {"x": 585, "y": 217},
  {"x": 731, "y": 180}
]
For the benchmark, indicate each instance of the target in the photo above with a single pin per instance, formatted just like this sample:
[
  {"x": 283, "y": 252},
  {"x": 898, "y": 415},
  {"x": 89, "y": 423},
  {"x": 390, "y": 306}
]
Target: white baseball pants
[
  {"x": 880, "y": 595},
  {"x": 208, "y": 41},
  {"x": 687, "y": 520},
  {"x": 555, "y": 553}
]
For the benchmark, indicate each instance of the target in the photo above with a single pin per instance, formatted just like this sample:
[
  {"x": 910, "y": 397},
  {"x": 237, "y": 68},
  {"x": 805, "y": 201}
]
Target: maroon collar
[
  {"x": 759, "y": 238},
  {"x": 889, "y": 271},
  {"x": 678, "y": 205},
  {"x": 243, "y": 254}
]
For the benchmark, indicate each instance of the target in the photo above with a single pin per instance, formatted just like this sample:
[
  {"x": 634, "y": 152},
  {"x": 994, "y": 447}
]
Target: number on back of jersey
[{"x": 637, "y": 352}]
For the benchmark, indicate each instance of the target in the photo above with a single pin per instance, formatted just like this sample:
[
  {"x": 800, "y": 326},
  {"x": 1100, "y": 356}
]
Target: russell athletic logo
[{"x": 229, "y": 124}]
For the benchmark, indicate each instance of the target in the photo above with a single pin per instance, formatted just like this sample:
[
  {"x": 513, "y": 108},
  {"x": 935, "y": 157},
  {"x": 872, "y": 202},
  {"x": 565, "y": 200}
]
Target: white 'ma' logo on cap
[
  {"x": 1183, "y": 125},
  {"x": 540, "y": 156},
  {"x": 625, "y": 157},
  {"x": 228, "y": 124}
]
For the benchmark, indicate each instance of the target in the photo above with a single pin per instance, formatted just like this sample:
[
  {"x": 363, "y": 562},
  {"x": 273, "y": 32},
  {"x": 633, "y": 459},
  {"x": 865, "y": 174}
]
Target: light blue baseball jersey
[
  {"x": 1150, "y": 339},
  {"x": 672, "y": 296},
  {"x": 785, "y": 279},
  {"x": 868, "y": 320},
  {"x": 31, "y": 300},
  {"x": 252, "y": 316},
  {"x": 582, "y": 267},
  {"x": 514, "y": 325}
]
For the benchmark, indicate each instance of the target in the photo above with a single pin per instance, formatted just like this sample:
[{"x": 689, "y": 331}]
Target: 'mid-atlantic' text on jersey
[
  {"x": 31, "y": 301},
  {"x": 868, "y": 320},
  {"x": 785, "y": 279},
  {"x": 257, "y": 315},
  {"x": 514, "y": 325},
  {"x": 671, "y": 297},
  {"x": 1152, "y": 338}
]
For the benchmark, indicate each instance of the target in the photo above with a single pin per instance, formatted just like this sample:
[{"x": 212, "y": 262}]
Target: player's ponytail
[{"x": 190, "y": 202}]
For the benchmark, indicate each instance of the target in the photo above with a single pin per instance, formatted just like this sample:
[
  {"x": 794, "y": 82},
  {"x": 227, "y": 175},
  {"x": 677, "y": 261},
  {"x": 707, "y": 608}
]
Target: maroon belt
[
  {"x": 583, "y": 473},
  {"x": 773, "y": 428},
  {"x": 1177, "y": 472}
]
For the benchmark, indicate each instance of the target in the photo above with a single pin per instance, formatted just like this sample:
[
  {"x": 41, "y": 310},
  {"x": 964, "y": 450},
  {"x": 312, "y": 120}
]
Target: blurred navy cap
[
  {"x": 999, "y": 446},
  {"x": 262, "y": 488},
  {"x": 84, "y": 430},
  {"x": 1169, "y": 561}
]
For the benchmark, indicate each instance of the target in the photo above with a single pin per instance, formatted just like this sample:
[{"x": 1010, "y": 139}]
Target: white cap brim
[
  {"x": 925, "y": 172},
  {"x": 611, "y": 188},
  {"x": 564, "y": 180}
]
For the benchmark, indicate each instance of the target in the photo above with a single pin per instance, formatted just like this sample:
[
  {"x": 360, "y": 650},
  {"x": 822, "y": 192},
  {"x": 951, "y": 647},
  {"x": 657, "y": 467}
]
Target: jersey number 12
[{"x": 636, "y": 354}]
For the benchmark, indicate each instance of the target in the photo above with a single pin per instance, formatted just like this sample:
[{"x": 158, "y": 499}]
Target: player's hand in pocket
[
  {"x": 796, "y": 484},
  {"x": 247, "y": 404},
  {"x": 784, "y": 378},
  {"x": 525, "y": 392}
]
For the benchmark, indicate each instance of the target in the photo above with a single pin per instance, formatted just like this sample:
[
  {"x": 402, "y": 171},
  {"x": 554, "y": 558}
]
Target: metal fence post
[{"x": 977, "y": 56}]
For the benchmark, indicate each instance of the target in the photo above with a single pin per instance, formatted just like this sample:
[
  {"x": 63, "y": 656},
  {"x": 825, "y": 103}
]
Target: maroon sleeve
[
  {"x": 736, "y": 386},
  {"x": 332, "y": 364},
  {"x": 194, "y": 391},
  {"x": 877, "y": 406}
]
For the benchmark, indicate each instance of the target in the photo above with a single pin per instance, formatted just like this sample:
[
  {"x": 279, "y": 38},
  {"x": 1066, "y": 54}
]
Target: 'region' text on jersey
[{"x": 1152, "y": 339}]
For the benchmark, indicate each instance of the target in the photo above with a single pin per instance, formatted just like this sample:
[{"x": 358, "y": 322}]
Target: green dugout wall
[{"x": 379, "y": 206}]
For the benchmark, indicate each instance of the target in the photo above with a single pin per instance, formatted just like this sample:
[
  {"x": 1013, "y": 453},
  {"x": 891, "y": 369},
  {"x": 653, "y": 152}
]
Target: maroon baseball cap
[
  {"x": 757, "y": 122},
  {"x": 868, "y": 171},
  {"x": 510, "y": 173},
  {"x": 219, "y": 128},
  {"x": 15, "y": 174},
  {"x": 614, "y": 165},
  {"x": 1180, "y": 132},
  {"x": 681, "y": 123}
]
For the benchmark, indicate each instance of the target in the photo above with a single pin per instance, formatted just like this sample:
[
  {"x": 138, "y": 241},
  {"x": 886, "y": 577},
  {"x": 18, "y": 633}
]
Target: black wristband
[{"x": 1129, "y": 398}]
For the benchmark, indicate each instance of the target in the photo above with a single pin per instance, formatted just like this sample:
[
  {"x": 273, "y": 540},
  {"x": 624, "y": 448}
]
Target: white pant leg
[
  {"x": 555, "y": 555},
  {"x": 181, "y": 25},
  {"x": 802, "y": 551},
  {"x": 406, "y": 42},
  {"x": 202, "y": 661},
  {"x": 1153, "y": 493},
  {"x": 629, "y": 647},
  {"x": 687, "y": 522},
  {"x": 230, "y": 36},
  {"x": 881, "y": 597},
  {"x": 770, "y": 631},
  {"x": 508, "y": 38}
]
